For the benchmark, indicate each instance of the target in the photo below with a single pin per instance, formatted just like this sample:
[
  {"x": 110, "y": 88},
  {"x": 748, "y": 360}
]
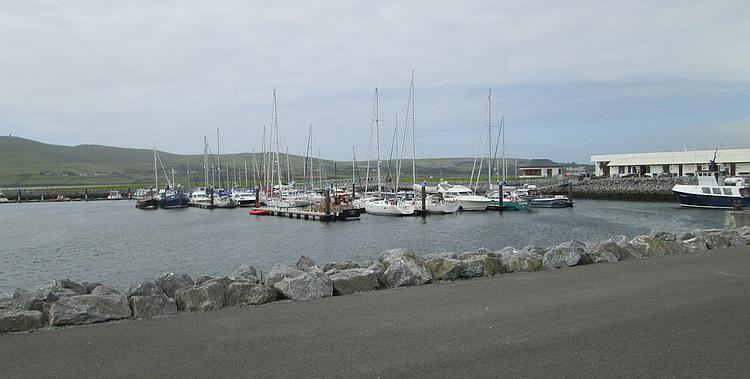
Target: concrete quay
[{"x": 675, "y": 316}]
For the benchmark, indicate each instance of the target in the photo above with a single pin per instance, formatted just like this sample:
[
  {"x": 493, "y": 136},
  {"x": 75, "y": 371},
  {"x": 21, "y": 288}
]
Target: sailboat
[
  {"x": 150, "y": 200},
  {"x": 384, "y": 206}
]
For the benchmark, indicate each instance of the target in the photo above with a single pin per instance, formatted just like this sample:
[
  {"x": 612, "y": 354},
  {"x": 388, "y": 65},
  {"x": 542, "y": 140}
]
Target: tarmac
[{"x": 674, "y": 316}]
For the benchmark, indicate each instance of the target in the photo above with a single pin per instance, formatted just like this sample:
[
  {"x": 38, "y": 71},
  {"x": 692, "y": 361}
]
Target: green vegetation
[{"x": 26, "y": 163}]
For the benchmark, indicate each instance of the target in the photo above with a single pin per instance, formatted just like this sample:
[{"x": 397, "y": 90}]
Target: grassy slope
[{"x": 23, "y": 163}]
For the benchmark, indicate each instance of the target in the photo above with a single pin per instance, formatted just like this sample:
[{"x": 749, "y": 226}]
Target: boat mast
[
  {"x": 320, "y": 164},
  {"x": 205, "y": 159},
  {"x": 218, "y": 156},
  {"x": 489, "y": 138},
  {"x": 502, "y": 129},
  {"x": 377, "y": 138},
  {"x": 276, "y": 135},
  {"x": 246, "y": 183},
  {"x": 156, "y": 172},
  {"x": 288, "y": 170},
  {"x": 354, "y": 165}
]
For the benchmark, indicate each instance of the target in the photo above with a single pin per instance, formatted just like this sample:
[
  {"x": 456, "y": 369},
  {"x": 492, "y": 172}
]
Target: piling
[
  {"x": 257, "y": 196},
  {"x": 328, "y": 201},
  {"x": 500, "y": 189},
  {"x": 86, "y": 194},
  {"x": 424, "y": 197}
]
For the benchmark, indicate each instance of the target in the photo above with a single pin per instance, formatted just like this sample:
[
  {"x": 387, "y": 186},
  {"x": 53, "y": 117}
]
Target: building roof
[
  {"x": 539, "y": 163},
  {"x": 674, "y": 157}
]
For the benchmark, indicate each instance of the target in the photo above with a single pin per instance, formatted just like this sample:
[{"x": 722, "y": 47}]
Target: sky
[{"x": 571, "y": 79}]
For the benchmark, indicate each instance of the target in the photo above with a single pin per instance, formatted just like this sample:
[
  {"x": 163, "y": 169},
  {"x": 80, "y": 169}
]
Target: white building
[
  {"x": 540, "y": 168},
  {"x": 675, "y": 163}
]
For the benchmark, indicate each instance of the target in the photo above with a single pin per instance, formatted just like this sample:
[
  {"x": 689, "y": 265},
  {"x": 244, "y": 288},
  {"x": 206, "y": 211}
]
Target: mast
[
  {"x": 288, "y": 171},
  {"x": 156, "y": 172},
  {"x": 413, "y": 139},
  {"x": 205, "y": 160},
  {"x": 377, "y": 138},
  {"x": 320, "y": 164},
  {"x": 502, "y": 129},
  {"x": 275, "y": 133},
  {"x": 218, "y": 156},
  {"x": 489, "y": 138},
  {"x": 246, "y": 183},
  {"x": 354, "y": 165}
]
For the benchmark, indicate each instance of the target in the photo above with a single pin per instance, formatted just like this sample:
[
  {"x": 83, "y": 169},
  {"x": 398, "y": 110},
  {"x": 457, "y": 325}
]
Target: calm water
[{"x": 114, "y": 243}]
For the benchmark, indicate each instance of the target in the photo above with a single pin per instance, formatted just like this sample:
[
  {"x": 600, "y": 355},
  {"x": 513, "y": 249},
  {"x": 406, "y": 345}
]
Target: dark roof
[{"x": 538, "y": 163}]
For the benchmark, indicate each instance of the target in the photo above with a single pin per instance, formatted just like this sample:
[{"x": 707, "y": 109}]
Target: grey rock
[
  {"x": 6, "y": 301},
  {"x": 340, "y": 265},
  {"x": 379, "y": 270},
  {"x": 521, "y": 260},
  {"x": 91, "y": 285},
  {"x": 202, "y": 279},
  {"x": 719, "y": 238},
  {"x": 354, "y": 280},
  {"x": 304, "y": 262},
  {"x": 695, "y": 244},
  {"x": 246, "y": 293},
  {"x": 19, "y": 321},
  {"x": 602, "y": 252},
  {"x": 649, "y": 246},
  {"x": 664, "y": 236},
  {"x": 472, "y": 266},
  {"x": 171, "y": 282},
  {"x": 278, "y": 273},
  {"x": 149, "y": 306},
  {"x": 145, "y": 288},
  {"x": 446, "y": 254},
  {"x": 627, "y": 250},
  {"x": 208, "y": 296},
  {"x": 443, "y": 268},
  {"x": 224, "y": 281},
  {"x": 104, "y": 290},
  {"x": 536, "y": 249},
  {"x": 60, "y": 288},
  {"x": 403, "y": 268},
  {"x": 246, "y": 272},
  {"x": 565, "y": 254},
  {"x": 468, "y": 254},
  {"x": 87, "y": 309},
  {"x": 312, "y": 284}
]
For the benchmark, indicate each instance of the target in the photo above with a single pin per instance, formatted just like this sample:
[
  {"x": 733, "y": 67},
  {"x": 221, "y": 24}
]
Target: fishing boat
[
  {"x": 171, "y": 199},
  {"x": 712, "y": 192},
  {"x": 468, "y": 200},
  {"x": 557, "y": 201},
  {"x": 148, "y": 200}
]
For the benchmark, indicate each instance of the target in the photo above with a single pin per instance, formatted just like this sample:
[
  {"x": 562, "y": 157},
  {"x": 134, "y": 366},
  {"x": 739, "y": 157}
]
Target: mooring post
[
  {"x": 18, "y": 199},
  {"x": 328, "y": 201},
  {"x": 257, "y": 196},
  {"x": 424, "y": 198},
  {"x": 86, "y": 194},
  {"x": 500, "y": 192},
  {"x": 130, "y": 194},
  {"x": 212, "y": 197}
]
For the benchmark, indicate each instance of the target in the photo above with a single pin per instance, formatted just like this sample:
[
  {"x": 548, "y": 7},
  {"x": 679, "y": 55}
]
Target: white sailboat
[{"x": 384, "y": 206}]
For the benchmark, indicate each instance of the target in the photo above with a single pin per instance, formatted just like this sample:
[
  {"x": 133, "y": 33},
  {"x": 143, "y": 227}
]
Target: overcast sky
[{"x": 571, "y": 78}]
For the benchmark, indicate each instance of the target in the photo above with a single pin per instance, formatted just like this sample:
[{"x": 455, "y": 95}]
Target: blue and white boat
[
  {"x": 171, "y": 199},
  {"x": 713, "y": 192},
  {"x": 557, "y": 201}
]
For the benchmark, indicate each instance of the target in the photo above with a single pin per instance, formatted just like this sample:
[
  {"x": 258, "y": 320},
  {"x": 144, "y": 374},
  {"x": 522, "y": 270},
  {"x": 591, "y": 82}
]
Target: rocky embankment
[
  {"x": 68, "y": 302},
  {"x": 638, "y": 189}
]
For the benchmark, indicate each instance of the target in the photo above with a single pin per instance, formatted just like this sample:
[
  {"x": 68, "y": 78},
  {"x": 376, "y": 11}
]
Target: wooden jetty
[{"x": 305, "y": 214}]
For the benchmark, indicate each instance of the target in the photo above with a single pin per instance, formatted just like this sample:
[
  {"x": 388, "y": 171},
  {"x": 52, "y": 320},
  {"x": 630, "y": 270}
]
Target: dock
[{"x": 304, "y": 214}]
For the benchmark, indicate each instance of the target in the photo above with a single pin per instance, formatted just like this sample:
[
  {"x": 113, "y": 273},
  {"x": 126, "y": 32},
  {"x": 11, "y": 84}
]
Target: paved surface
[{"x": 673, "y": 316}]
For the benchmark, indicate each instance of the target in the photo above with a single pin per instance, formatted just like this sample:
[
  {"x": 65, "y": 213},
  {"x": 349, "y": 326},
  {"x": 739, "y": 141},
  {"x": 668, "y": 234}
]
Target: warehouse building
[
  {"x": 540, "y": 168},
  {"x": 675, "y": 163}
]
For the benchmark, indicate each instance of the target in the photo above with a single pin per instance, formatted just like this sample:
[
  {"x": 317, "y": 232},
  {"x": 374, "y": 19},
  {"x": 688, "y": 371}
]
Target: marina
[{"x": 115, "y": 241}]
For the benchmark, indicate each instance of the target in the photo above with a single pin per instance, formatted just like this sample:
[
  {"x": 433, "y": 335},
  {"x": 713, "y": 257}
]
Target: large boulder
[
  {"x": 602, "y": 252},
  {"x": 565, "y": 254},
  {"x": 650, "y": 246},
  {"x": 147, "y": 300},
  {"x": 60, "y": 288},
  {"x": 627, "y": 250},
  {"x": 91, "y": 285},
  {"x": 278, "y": 273},
  {"x": 19, "y": 321},
  {"x": 6, "y": 301},
  {"x": 88, "y": 309},
  {"x": 340, "y": 265},
  {"x": 305, "y": 263},
  {"x": 171, "y": 282},
  {"x": 694, "y": 244},
  {"x": 26, "y": 301},
  {"x": 379, "y": 270},
  {"x": 104, "y": 290},
  {"x": 246, "y": 293},
  {"x": 312, "y": 284},
  {"x": 403, "y": 268},
  {"x": 443, "y": 268},
  {"x": 520, "y": 260},
  {"x": 719, "y": 238},
  {"x": 744, "y": 233},
  {"x": 245, "y": 272},
  {"x": 206, "y": 297},
  {"x": 353, "y": 280}
]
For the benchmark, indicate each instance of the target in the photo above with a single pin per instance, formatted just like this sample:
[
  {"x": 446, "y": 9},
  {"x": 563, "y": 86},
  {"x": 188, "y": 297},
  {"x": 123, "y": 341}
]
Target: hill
[{"x": 27, "y": 163}]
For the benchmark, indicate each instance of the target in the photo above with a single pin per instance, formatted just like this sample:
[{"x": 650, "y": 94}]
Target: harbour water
[{"x": 114, "y": 243}]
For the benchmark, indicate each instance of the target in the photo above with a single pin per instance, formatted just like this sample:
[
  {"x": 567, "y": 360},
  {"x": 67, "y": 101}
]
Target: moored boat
[
  {"x": 148, "y": 201},
  {"x": 468, "y": 201},
  {"x": 557, "y": 201},
  {"x": 710, "y": 192}
]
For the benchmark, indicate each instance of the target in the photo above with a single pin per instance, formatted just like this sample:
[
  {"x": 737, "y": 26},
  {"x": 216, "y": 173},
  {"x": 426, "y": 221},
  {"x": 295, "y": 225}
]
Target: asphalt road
[{"x": 673, "y": 316}]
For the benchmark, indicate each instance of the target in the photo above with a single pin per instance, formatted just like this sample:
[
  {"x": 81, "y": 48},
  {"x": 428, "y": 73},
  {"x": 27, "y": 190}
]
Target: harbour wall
[
  {"x": 64, "y": 301},
  {"x": 632, "y": 189}
]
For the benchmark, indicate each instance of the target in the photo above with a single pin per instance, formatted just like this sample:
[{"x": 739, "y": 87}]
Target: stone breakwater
[
  {"x": 638, "y": 189},
  {"x": 67, "y": 302}
]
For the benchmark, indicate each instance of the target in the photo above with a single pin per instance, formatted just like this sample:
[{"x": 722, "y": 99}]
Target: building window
[
  {"x": 706, "y": 190},
  {"x": 727, "y": 191}
]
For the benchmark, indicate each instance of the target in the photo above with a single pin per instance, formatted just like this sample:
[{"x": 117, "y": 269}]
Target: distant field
[{"x": 27, "y": 163}]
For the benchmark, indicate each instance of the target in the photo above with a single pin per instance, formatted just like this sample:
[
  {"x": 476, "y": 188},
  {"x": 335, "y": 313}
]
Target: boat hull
[
  {"x": 550, "y": 203},
  {"x": 380, "y": 209},
  {"x": 147, "y": 204},
  {"x": 173, "y": 202},
  {"x": 473, "y": 205},
  {"x": 709, "y": 201}
]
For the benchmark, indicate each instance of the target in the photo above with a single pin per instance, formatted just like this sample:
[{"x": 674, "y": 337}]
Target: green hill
[{"x": 27, "y": 163}]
